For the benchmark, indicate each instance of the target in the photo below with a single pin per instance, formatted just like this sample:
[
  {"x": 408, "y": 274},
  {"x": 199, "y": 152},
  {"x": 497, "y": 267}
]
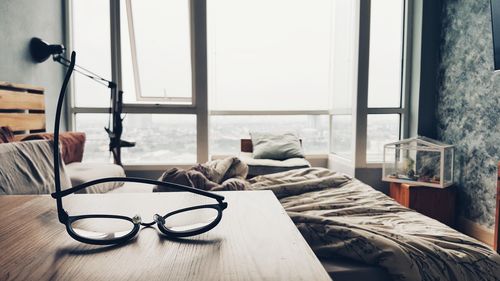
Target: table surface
[{"x": 256, "y": 240}]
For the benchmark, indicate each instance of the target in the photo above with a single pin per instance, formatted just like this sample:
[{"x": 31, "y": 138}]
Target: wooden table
[
  {"x": 255, "y": 240},
  {"x": 437, "y": 203}
]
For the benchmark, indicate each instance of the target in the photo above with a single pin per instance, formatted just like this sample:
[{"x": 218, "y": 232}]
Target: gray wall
[
  {"x": 19, "y": 21},
  {"x": 468, "y": 109}
]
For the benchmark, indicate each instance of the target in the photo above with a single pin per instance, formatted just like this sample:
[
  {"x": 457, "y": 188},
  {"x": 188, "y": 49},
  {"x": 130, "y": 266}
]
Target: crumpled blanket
[
  {"x": 222, "y": 174},
  {"x": 340, "y": 216}
]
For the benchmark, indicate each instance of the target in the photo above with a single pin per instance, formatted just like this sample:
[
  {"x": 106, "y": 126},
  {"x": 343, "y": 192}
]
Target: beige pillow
[{"x": 276, "y": 146}]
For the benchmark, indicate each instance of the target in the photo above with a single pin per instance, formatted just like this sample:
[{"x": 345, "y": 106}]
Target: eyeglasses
[{"x": 106, "y": 229}]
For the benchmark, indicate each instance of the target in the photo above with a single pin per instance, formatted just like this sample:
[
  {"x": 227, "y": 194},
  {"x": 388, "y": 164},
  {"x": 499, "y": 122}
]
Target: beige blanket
[
  {"x": 221, "y": 174},
  {"x": 28, "y": 168},
  {"x": 340, "y": 216}
]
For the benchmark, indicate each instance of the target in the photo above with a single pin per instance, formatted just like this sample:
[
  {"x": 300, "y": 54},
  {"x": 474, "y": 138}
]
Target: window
[
  {"x": 257, "y": 62},
  {"x": 160, "y": 138},
  {"x": 344, "y": 79},
  {"x": 227, "y": 130},
  {"x": 381, "y": 129},
  {"x": 342, "y": 135},
  {"x": 385, "y": 76},
  {"x": 156, "y": 68},
  {"x": 271, "y": 65},
  {"x": 97, "y": 142},
  {"x": 156, "y": 51},
  {"x": 386, "y": 51},
  {"x": 91, "y": 40},
  {"x": 287, "y": 71}
]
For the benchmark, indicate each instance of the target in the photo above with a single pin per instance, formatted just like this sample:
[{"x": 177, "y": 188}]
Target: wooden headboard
[
  {"x": 22, "y": 108},
  {"x": 496, "y": 242}
]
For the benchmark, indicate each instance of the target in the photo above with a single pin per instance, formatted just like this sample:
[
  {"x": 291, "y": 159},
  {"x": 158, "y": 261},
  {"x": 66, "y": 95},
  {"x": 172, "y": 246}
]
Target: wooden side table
[{"x": 437, "y": 203}]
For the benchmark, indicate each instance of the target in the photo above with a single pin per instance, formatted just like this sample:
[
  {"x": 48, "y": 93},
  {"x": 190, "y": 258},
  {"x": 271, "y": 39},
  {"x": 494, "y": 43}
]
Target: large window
[
  {"x": 292, "y": 68},
  {"x": 385, "y": 76},
  {"x": 198, "y": 76},
  {"x": 257, "y": 62}
]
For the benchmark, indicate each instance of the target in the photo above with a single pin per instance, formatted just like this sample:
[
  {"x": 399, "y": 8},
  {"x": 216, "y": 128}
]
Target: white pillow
[{"x": 276, "y": 146}]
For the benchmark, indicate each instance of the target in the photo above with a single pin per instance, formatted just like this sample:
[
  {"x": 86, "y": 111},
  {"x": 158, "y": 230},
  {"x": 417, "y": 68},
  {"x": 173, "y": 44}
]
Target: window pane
[
  {"x": 273, "y": 55},
  {"x": 344, "y": 53},
  {"x": 91, "y": 41},
  {"x": 226, "y": 131},
  {"x": 381, "y": 129},
  {"x": 160, "y": 138},
  {"x": 342, "y": 135},
  {"x": 162, "y": 50},
  {"x": 97, "y": 141},
  {"x": 386, "y": 48}
]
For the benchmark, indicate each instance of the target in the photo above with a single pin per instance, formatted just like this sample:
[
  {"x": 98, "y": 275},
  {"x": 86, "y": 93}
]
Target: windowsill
[{"x": 163, "y": 166}]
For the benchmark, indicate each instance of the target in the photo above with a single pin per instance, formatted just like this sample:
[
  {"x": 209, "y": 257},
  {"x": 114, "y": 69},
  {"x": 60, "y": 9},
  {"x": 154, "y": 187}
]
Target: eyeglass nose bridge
[
  {"x": 138, "y": 220},
  {"x": 159, "y": 219}
]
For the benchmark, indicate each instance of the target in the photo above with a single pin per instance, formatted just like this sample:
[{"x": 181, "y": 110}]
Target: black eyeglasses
[{"x": 105, "y": 229}]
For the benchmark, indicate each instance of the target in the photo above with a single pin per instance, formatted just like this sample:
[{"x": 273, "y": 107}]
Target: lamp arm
[
  {"x": 114, "y": 129},
  {"x": 92, "y": 75}
]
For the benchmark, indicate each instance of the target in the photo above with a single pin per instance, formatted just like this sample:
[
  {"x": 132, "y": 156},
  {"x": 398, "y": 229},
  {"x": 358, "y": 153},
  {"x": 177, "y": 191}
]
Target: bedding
[
  {"x": 72, "y": 144},
  {"x": 268, "y": 166},
  {"x": 222, "y": 174},
  {"x": 340, "y": 216},
  {"x": 27, "y": 168}
]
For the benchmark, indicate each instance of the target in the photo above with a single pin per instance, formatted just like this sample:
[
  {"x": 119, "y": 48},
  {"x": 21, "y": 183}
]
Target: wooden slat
[
  {"x": 22, "y": 87},
  {"x": 23, "y": 121},
  {"x": 21, "y": 100}
]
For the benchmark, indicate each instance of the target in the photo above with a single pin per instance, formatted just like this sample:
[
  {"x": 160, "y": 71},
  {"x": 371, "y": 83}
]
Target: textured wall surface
[
  {"x": 19, "y": 21},
  {"x": 468, "y": 108}
]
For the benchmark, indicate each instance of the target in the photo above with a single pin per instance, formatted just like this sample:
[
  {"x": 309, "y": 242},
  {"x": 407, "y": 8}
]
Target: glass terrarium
[{"x": 419, "y": 161}]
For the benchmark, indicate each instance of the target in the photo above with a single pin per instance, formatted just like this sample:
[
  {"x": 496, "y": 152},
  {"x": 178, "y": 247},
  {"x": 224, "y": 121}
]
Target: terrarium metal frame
[{"x": 431, "y": 146}]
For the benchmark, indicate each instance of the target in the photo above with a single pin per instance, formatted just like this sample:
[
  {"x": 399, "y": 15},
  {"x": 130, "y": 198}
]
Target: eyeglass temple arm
[
  {"x": 60, "y": 194},
  {"x": 60, "y": 211}
]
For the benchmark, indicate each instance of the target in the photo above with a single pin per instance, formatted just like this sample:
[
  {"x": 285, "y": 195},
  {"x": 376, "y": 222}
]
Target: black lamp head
[{"x": 41, "y": 50}]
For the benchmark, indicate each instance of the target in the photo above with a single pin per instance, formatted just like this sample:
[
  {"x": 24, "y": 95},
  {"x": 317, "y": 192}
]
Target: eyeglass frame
[{"x": 67, "y": 220}]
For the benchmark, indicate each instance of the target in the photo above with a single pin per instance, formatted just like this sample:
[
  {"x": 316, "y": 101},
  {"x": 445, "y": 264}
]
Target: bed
[
  {"x": 342, "y": 217},
  {"x": 359, "y": 233}
]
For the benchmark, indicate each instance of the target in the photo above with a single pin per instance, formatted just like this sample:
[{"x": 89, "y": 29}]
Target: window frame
[
  {"x": 199, "y": 106},
  {"x": 362, "y": 112}
]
